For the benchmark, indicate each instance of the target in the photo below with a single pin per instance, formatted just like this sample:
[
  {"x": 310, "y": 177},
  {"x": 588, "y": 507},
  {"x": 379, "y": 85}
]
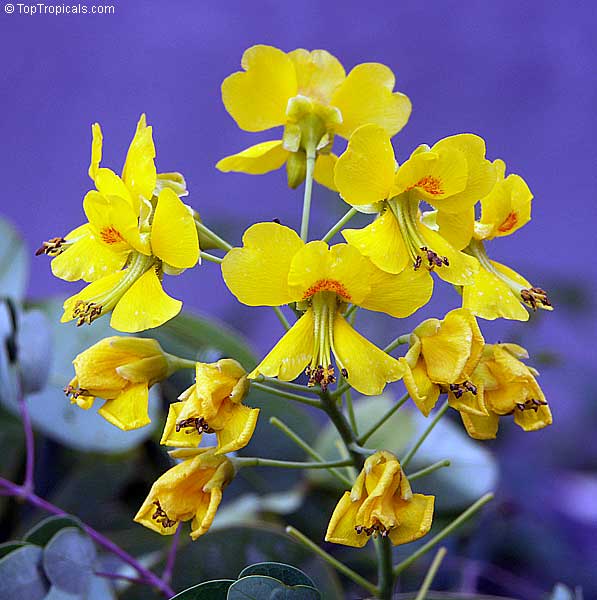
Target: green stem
[
  {"x": 254, "y": 461},
  {"x": 287, "y": 395},
  {"x": 340, "y": 390},
  {"x": 281, "y": 317},
  {"x": 437, "y": 561},
  {"x": 467, "y": 514},
  {"x": 336, "y": 228},
  {"x": 353, "y": 309},
  {"x": 385, "y": 575},
  {"x": 311, "y": 155},
  {"x": 440, "y": 464},
  {"x": 221, "y": 243},
  {"x": 341, "y": 567},
  {"x": 351, "y": 416},
  {"x": 295, "y": 387},
  {"x": 401, "y": 339},
  {"x": 210, "y": 257},
  {"x": 299, "y": 441},
  {"x": 409, "y": 456},
  {"x": 363, "y": 438}
]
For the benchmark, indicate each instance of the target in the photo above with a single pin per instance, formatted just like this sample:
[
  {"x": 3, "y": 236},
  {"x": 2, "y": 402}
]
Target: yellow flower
[
  {"x": 450, "y": 176},
  {"x": 120, "y": 370},
  {"x": 310, "y": 95},
  {"x": 192, "y": 489},
  {"x": 442, "y": 357},
  {"x": 213, "y": 404},
  {"x": 138, "y": 229},
  {"x": 498, "y": 291},
  {"x": 275, "y": 267},
  {"x": 380, "y": 503},
  {"x": 505, "y": 386}
]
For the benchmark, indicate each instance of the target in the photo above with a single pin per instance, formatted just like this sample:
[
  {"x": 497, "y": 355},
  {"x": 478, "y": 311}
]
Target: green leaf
[
  {"x": 45, "y": 530},
  {"x": 51, "y": 411},
  {"x": 22, "y": 576},
  {"x": 259, "y": 587},
  {"x": 285, "y": 573},
  {"x": 8, "y": 547},
  {"x": 69, "y": 559},
  {"x": 210, "y": 590},
  {"x": 14, "y": 262}
]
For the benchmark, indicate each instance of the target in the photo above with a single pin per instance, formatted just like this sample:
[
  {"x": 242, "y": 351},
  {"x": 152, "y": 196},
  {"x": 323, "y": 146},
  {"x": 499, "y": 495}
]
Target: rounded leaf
[
  {"x": 259, "y": 587},
  {"x": 22, "y": 576},
  {"x": 45, "y": 530},
  {"x": 285, "y": 573},
  {"x": 210, "y": 590}
]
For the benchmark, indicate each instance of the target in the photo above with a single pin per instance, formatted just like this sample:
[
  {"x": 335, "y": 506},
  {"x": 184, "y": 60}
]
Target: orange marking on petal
[
  {"x": 509, "y": 222},
  {"x": 432, "y": 185},
  {"x": 110, "y": 235},
  {"x": 327, "y": 285}
]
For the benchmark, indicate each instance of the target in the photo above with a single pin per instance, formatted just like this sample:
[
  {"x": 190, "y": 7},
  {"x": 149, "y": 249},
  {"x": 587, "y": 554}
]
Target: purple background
[{"x": 521, "y": 74}]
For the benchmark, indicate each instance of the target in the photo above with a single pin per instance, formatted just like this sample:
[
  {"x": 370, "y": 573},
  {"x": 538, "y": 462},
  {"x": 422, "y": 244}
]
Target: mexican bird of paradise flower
[
  {"x": 131, "y": 239},
  {"x": 310, "y": 95},
  {"x": 382, "y": 503},
  {"x": 275, "y": 267}
]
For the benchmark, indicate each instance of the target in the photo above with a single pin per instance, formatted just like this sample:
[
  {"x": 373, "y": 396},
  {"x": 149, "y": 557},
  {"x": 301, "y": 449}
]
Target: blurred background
[{"x": 520, "y": 74}]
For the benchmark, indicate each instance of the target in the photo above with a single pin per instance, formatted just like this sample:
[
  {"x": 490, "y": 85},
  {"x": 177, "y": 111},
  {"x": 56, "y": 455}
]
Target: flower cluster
[{"x": 431, "y": 214}]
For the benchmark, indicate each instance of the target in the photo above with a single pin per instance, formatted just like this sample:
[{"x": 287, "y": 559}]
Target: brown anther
[
  {"x": 74, "y": 392},
  {"x": 161, "y": 517},
  {"x": 418, "y": 263},
  {"x": 320, "y": 376},
  {"x": 376, "y": 529},
  {"x": 434, "y": 259},
  {"x": 192, "y": 424},
  {"x": 344, "y": 373},
  {"x": 532, "y": 404},
  {"x": 52, "y": 247},
  {"x": 458, "y": 389},
  {"x": 535, "y": 297},
  {"x": 86, "y": 312}
]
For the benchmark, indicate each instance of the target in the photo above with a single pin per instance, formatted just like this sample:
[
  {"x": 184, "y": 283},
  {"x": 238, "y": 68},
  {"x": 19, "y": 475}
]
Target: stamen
[
  {"x": 161, "y": 517},
  {"x": 321, "y": 376},
  {"x": 433, "y": 259},
  {"x": 535, "y": 297},
  {"x": 376, "y": 529},
  {"x": 52, "y": 247},
  {"x": 74, "y": 392},
  {"x": 344, "y": 373},
  {"x": 532, "y": 404},
  {"x": 458, "y": 389},
  {"x": 86, "y": 312},
  {"x": 110, "y": 235},
  {"x": 192, "y": 424}
]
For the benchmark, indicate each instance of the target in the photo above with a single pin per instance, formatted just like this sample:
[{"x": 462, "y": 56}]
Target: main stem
[{"x": 311, "y": 155}]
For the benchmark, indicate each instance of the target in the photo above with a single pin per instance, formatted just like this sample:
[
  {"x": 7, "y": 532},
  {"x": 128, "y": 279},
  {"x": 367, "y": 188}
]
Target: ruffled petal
[
  {"x": 206, "y": 514},
  {"x": 415, "y": 518},
  {"x": 364, "y": 174},
  {"x": 109, "y": 184},
  {"x": 318, "y": 73},
  {"x": 86, "y": 258},
  {"x": 256, "y": 99},
  {"x": 341, "y": 529},
  {"x": 324, "y": 170},
  {"x": 421, "y": 389},
  {"x": 238, "y": 430},
  {"x": 368, "y": 367},
  {"x": 479, "y": 427},
  {"x": 129, "y": 410},
  {"x": 96, "y": 149},
  {"x": 257, "y": 273},
  {"x": 382, "y": 242},
  {"x": 531, "y": 420},
  {"x": 256, "y": 160},
  {"x": 144, "y": 305},
  {"x": 398, "y": 295},
  {"x": 366, "y": 96},
  {"x": 185, "y": 437},
  {"x": 139, "y": 172},
  {"x": 173, "y": 232},
  {"x": 457, "y": 228}
]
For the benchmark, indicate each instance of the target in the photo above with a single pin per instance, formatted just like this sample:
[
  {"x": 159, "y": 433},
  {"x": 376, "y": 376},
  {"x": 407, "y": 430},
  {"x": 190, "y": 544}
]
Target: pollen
[
  {"x": 110, "y": 235},
  {"x": 535, "y": 297},
  {"x": 376, "y": 529},
  {"x": 161, "y": 517},
  {"x": 194, "y": 424},
  {"x": 509, "y": 222},
  {"x": 432, "y": 185},
  {"x": 52, "y": 247},
  {"x": 327, "y": 285},
  {"x": 86, "y": 312}
]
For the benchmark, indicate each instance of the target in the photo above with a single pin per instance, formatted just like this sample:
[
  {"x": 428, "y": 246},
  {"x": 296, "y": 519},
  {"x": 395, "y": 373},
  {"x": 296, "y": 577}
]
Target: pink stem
[
  {"x": 147, "y": 576},
  {"x": 167, "y": 574}
]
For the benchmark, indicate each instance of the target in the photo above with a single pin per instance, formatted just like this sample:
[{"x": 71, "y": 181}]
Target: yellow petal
[
  {"x": 341, "y": 529},
  {"x": 415, "y": 518},
  {"x": 187, "y": 437},
  {"x": 129, "y": 409},
  {"x": 96, "y": 149},
  {"x": 256, "y": 99},
  {"x": 109, "y": 184},
  {"x": 87, "y": 258},
  {"x": 340, "y": 269},
  {"x": 318, "y": 73},
  {"x": 398, "y": 295},
  {"x": 421, "y": 389},
  {"x": 364, "y": 174},
  {"x": 456, "y": 228},
  {"x": 238, "y": 430},
  {"x": 481, "y": 173},
  {"x": 173, "y": 232},
  {"x": 206, "y": 514},
  {"x": 366, "y": 97},
  {"x": 381, "y": 242},
  {"x": 289, "y": 357},
  {"x": 369, "y": 368},
  {"x": 139, "y": 172},
  {"x": 257, "y": 273},
  {"x": 490, "y": 298},
  {"x": 531, "y": 420},
  {"x": 479, "y": 427},
  {"x": 144, "y": 305},
  {"x": 324, "y": 170},
  {"x": 256, "y": 160}
]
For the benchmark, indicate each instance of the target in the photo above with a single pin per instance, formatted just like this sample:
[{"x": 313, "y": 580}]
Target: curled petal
[{"x": 256, "y": 160}]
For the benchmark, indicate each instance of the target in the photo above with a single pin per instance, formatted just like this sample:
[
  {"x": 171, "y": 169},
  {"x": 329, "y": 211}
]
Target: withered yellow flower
[
  {"x": 275, "y": 267},
  {"x": 380, "y": 502},
  {"x": 310, "y": 95},
  {"x": 191, "y": 490},
  {"x": 120, "y": 370},
  {"x": 498, "y": 291},
  {"x": 442, "y": 357},
  {"x": 505, "y": 386},
  {"x": 213, "y": 405}
]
